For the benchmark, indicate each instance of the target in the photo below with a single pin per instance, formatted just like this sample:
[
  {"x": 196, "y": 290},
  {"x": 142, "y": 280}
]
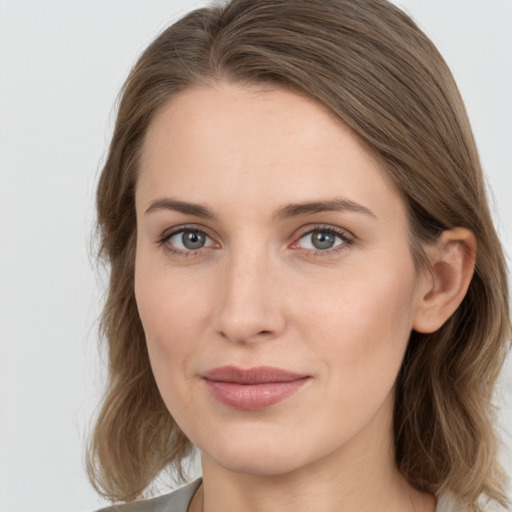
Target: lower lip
[{"x": 251, "y": 397}]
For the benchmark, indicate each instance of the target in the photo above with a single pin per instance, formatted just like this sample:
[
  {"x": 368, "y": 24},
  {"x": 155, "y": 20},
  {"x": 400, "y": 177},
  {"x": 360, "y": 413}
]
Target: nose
[{"x": 249, "y": 306}]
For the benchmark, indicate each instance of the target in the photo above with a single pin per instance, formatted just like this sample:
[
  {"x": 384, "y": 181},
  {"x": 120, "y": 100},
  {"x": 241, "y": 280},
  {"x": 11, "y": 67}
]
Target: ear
[{"x": 452, "y": 261}]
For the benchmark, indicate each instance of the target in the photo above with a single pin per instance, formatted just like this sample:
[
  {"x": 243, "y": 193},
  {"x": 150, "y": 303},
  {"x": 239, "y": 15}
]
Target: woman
[{"x": 305, "y": 280}]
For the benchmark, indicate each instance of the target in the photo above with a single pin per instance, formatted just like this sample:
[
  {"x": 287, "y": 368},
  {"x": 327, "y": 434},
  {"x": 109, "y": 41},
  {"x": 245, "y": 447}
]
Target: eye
[
  {"x": 186, "y": 240},
  {"x": 323, "y": 239}
]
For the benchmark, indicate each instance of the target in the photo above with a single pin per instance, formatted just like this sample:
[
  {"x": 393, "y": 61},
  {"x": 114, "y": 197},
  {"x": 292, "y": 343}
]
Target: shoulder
[{"x": 177, "y": 501}]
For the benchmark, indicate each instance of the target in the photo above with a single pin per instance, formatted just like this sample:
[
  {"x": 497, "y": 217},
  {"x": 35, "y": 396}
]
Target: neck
[{"x": 361, "y": 476}]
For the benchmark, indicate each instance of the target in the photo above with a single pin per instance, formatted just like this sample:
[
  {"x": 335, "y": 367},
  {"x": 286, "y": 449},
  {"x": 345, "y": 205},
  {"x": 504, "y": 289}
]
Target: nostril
[
  {"x": 246, "y": 334},
  {"x": 247, "y": 316},
  {"x": 259, "y": 333}
]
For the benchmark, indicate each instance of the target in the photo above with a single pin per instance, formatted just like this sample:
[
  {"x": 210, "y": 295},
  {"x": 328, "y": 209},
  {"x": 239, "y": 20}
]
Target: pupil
[
  {"x": 192, "y": 239},
  {"x": 323, "y": 240}
]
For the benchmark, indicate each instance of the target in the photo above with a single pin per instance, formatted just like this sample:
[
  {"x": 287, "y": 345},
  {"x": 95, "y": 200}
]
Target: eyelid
[
  {"x": 347, "y": 238},
  {"x": 169, "y": 233}
]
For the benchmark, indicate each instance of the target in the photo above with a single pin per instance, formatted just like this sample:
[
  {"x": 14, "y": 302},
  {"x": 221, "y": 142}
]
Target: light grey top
[{"x": 179, "y": 501}]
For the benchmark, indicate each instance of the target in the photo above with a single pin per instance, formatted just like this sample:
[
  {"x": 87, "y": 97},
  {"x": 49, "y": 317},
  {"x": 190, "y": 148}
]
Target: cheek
[
  {"x": 173, "y": 317},
  {"x": 363, "y": 326},
  {"x": 173, "y": 311}
]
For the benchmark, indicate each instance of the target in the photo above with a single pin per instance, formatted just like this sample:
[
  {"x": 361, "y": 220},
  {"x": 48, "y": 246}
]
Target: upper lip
[{"x": 256, "y": 375}]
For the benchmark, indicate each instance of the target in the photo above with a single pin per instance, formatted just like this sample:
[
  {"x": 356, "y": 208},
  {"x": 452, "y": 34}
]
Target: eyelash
[
  {"x": 346, "y": 238},
  {"x": 182, "y": 229}
]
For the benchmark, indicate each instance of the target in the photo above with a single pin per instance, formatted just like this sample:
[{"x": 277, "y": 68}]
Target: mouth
[{"x": 253, "y": 388}]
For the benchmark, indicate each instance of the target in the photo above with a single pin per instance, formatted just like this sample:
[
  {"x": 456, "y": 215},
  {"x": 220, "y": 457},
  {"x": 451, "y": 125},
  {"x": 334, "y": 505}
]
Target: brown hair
[{"x": 376, "y": 70}]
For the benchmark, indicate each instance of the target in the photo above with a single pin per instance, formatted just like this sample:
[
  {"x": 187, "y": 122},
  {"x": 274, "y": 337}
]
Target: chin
[
  {"x": 261, "y": 452},
  {"x": 259, "y": 462}
]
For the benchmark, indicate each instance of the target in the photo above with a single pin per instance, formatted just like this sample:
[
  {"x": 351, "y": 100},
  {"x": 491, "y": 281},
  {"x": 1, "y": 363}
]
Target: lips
[{"x": 254, "y": 388}]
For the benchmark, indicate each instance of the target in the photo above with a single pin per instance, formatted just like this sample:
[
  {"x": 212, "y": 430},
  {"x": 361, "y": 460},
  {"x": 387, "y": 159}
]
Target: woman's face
[{"x": 273, "y": 278}]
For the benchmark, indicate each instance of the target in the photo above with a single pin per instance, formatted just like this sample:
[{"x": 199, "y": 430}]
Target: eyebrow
[
  {"x": 336, "y": 204},
  {"x": 288, "y": 211},
  {"x": 180, "y": 206}
]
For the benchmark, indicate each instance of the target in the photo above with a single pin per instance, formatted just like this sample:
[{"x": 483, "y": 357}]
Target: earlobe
[{"x": 452, "y": 260}]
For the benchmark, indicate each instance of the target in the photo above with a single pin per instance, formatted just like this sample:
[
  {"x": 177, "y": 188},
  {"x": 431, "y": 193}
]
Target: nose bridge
[{"x": 248, "y": 307}]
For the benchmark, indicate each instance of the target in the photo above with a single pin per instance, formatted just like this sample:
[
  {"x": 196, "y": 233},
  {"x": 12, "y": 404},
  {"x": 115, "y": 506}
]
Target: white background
[{"x": 61, "y": 66}]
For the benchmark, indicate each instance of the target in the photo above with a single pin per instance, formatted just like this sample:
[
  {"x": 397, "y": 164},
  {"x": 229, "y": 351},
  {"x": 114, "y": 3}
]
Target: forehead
[{"x": 267, "y": 146}]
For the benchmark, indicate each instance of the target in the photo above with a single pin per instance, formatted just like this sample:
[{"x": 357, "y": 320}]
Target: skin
[{"x": 260, "y": 293}]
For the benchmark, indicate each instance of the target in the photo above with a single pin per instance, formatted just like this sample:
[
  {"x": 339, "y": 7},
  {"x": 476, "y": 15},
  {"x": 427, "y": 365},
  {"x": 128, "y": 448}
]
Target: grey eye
[
  {"x": 321, "y": 239},
  {"x": 189, "y": 240}
]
